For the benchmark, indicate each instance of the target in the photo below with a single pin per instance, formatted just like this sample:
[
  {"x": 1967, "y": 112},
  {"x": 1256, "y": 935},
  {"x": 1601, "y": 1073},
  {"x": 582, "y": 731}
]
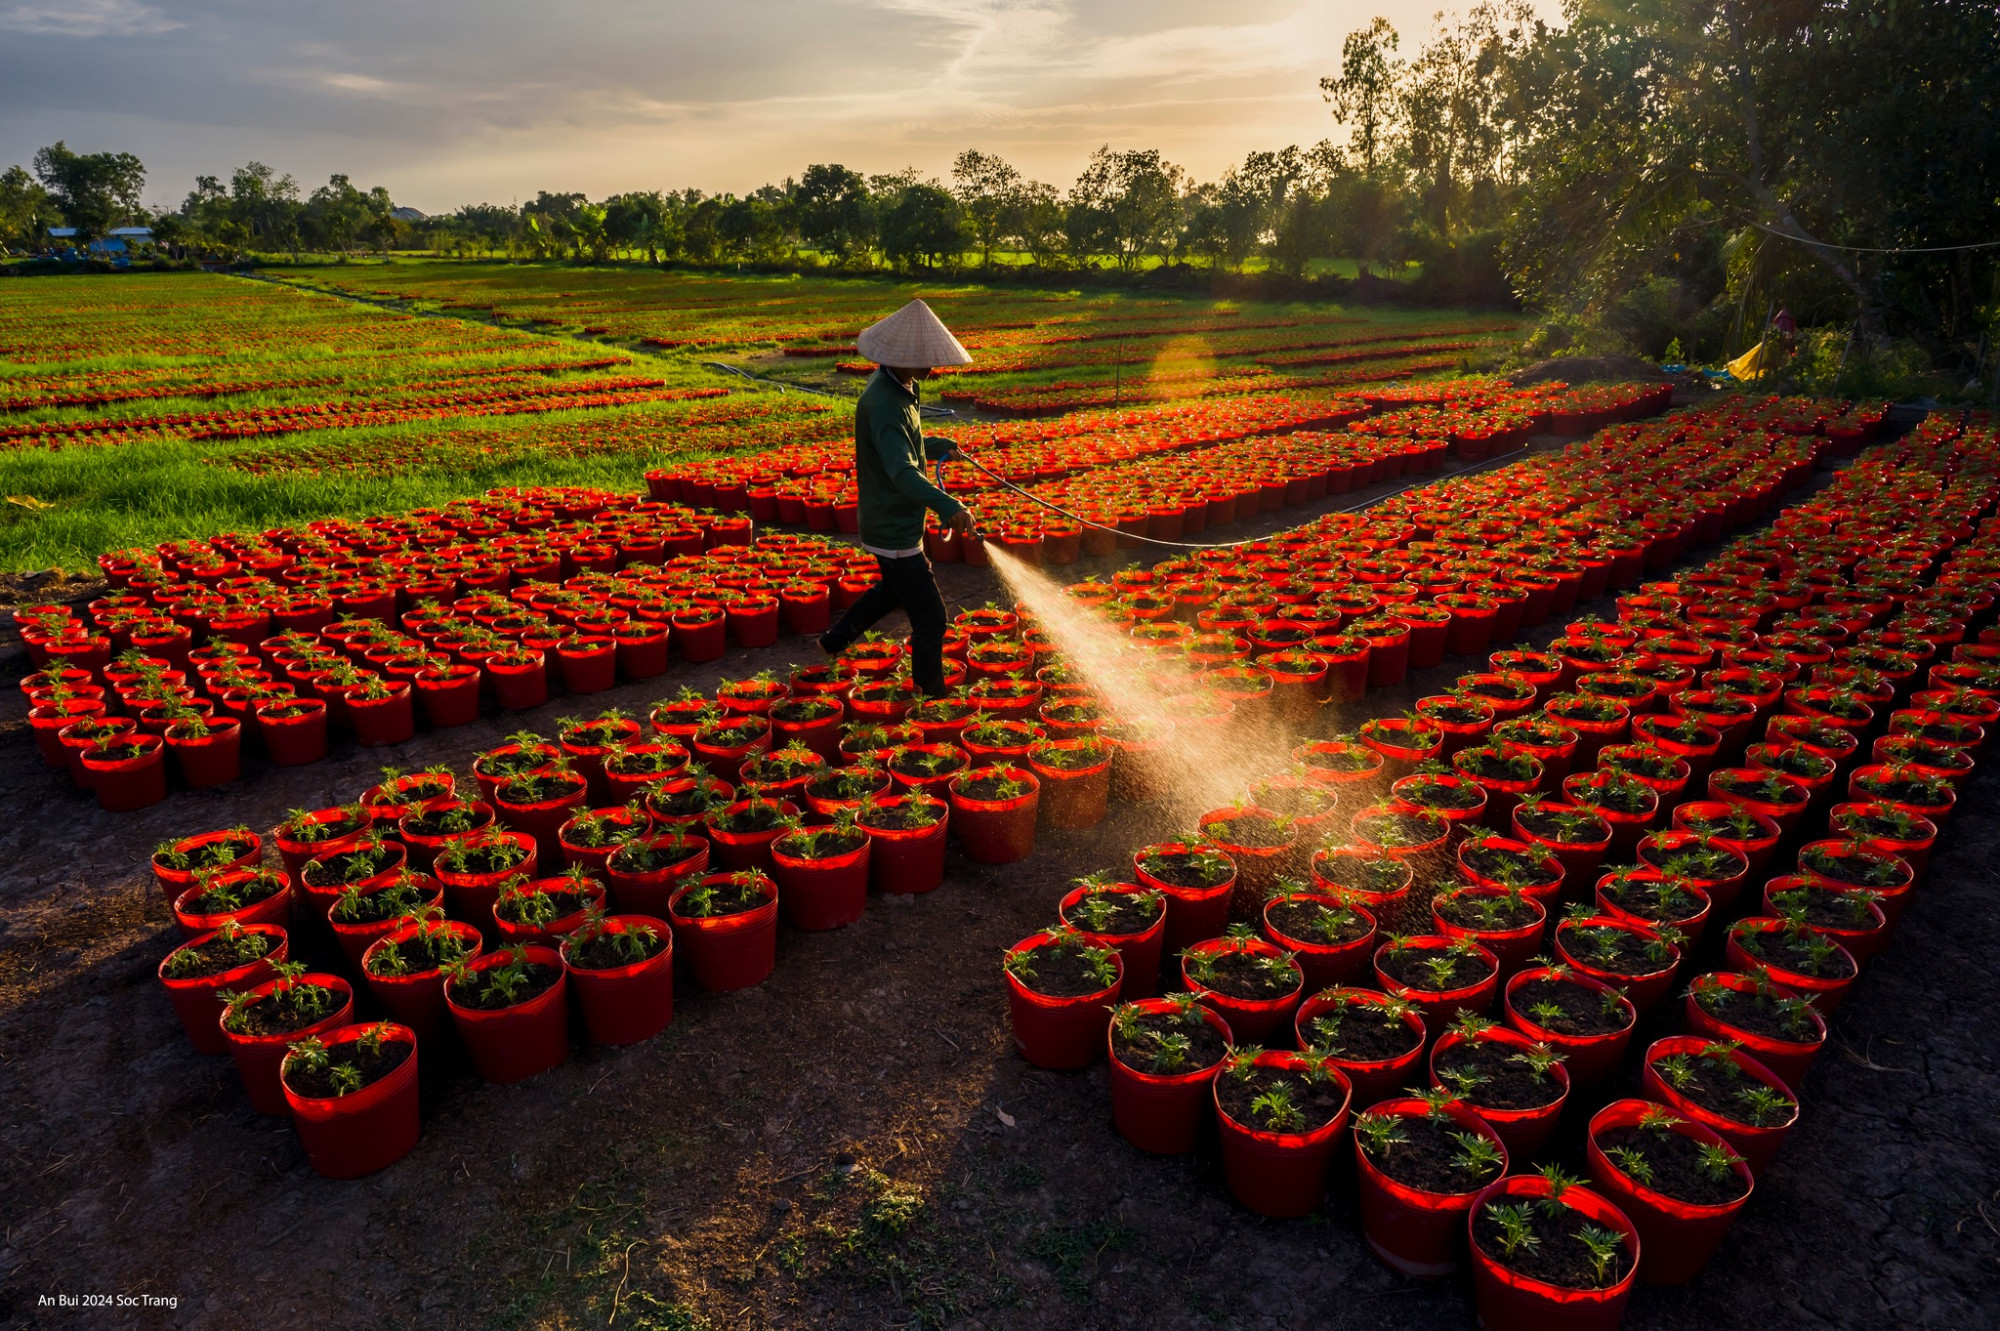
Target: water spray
[{"x": 1207, "y": 766}]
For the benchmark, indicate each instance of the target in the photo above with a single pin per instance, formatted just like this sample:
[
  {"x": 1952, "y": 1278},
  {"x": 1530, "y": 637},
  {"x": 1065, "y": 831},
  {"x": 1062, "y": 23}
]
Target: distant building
[
  {"x": 408, "y": 215},
  {"x": 113, "y": 244}
]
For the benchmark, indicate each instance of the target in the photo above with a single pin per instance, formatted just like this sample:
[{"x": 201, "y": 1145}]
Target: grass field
[
  {"x": 1040, "y": 352},
  {"x": 158, "y": 407}
]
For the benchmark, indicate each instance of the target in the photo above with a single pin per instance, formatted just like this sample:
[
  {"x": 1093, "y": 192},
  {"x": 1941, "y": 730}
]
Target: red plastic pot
[
  {"x": 1826, "y": 993},
  {"x": 1676, "y": 1238},
  {"x": 906, "y": 861},
  {"x": 258, "y": 1056},
  {"x": 1551, "y": 874},
  {"x": 1755, "y": 849},
  {"x": 380, "y": 721},
  {"x": 1895, "y": 896},
  {"x": 625, "y": 1004},
  {"x": 1403, "y": 747},
  {"x": 647, "y": 892},
  {"x": 725, "y": 952},
  {"x": 47, "y": 720},
  {"x": 354, "y": 1135},
  {"x": 543, "y": 818},
  {"x": 519, "y": 683},
  {"x": 995, "y": 831},
  {"x": 1508, "y": 1301},
  {"x": 124, "y": 784},
  {"x": 1370, "y": 1080},
  {"x": 1863, "y": 940},
  {"x": 1645, "y": 990},
  {"x": 1252, "y": 1019},
  {"x": 1589, "y": 1059},
  {"x": 514, "y": 933},
  {"x": 747, "y": 850},
  {"x": 293, "y": 740},
  {"x": 1789, "y": 1059},
  {"x": 1193, "y": 913},
  {"x": 214, "y": 759},
  {"x": 173, "y": 882},
  {"x": 1786, "y": 815},
  {"x": 1073, "y": 798},
  {"x": 1326, "y": 965},
  {"x": 589, "y": 662},
  {"x": 700, "y": 635},
  {"x": 1914, "y": 849},
  {"x": 819, "y": 894},
  {"x": 591, "y": 859},
  {"x": 1327, "y": 879},
  {"x": 1162, "y": 1113},
  {"x": 1440, "y": 1006},
  {"x": 1525, "y": 1131},
  {"x": 449, "y": 695},
  {"x": 424, "y": 848},
  {"x": 470, "y": 896},
  {"x": 1417, "y": 1232},
  {"x": 1756, "y": 1145},
  {"x": 273, "y": 909},
  {"x": 1280, "y": 1174},
  {"x": 512, "y": 1044},
  {"x": 1060, "y": 1033},
  {"x": 1579, "y": 859},
  {"x": 1404, "y": 792},
  {"x": 195, "y": 1001},
  {"x": 417, "y": 1001},
  {"x": 1140, "y": 952},
  {"x": 1587, "y": 790},
  {"x": 1512, "y": 948}
]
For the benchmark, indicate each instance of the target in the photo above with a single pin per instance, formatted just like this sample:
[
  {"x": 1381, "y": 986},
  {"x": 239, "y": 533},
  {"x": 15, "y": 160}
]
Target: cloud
[
  {"x": 454, "y": 100},
  {"x": 360, "y": 83},
  {"x": 88, "y": 18}
]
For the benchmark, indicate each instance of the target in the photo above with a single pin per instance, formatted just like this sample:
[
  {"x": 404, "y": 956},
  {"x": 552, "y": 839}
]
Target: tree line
[{"x": 1650, "y": 175}]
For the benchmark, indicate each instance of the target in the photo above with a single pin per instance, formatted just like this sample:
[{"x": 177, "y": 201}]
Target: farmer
[
  {"x": 1786, "y": 327},
  {"x": 889, "y": 455}
]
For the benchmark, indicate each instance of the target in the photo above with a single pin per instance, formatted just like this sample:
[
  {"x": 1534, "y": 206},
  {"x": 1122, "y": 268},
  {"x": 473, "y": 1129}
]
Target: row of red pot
[{"x": 1693, "y": 1046}]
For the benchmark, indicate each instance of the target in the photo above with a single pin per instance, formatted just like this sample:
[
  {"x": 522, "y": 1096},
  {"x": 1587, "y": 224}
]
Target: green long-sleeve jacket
[{"x": 889, "y": 455}]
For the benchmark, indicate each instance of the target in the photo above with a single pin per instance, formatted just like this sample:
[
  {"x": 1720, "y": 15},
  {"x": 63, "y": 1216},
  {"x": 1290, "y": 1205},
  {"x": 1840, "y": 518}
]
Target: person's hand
[
  {"x": 960, "y": 522},
  {"x": 952, "y": 453}
]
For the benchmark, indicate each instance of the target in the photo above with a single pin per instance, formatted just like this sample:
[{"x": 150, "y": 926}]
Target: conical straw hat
[{"x": 912, "y": 338}]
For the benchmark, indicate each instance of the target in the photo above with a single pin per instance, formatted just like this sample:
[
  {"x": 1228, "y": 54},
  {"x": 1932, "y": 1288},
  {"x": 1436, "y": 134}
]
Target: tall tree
[
  {"x": 924, "y": 225},
  {"x": 94, "y": 191},
  {"x": 1808, "y": 132},
  {"x": 1034, "y": 221},
  {"x": 985, "y": 185},
  {"x": 1364, "y": 92},
  {"x": 639, "y": 221},
  {"x": 834, "y": 211},
  {"x": 26, "y": 210},
  {"x": 266, "y": 205},
  {"x": 335, "y": 215},
  {"x": 1134, "y": 200}
]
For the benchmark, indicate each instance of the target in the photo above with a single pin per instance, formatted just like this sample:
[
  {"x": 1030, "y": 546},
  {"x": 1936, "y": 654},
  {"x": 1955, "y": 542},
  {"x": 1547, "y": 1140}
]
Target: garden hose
[{"x": 1192, "y": 545}]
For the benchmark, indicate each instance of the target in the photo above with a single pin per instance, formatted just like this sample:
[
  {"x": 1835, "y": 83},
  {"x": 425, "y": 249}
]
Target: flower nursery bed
[{"x": 733, "y": 1167}]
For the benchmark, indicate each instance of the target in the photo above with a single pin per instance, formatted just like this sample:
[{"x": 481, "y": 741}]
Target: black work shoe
[{"x": 827, "y": 646}]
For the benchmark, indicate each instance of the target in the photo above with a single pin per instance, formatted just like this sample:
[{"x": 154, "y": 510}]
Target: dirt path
[{"x": 852, "y": 1145}]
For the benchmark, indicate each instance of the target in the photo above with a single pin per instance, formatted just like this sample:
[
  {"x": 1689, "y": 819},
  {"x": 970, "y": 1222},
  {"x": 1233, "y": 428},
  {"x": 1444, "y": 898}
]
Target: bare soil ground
[{"x": 854, "y": 1144}]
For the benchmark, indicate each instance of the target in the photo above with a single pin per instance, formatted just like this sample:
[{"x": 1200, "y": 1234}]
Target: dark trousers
[{"x": 907, "y": 582}]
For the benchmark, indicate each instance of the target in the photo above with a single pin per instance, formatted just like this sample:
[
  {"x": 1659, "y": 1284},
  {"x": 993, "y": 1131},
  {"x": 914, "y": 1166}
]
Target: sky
[{"x": 449, "y": 102}]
